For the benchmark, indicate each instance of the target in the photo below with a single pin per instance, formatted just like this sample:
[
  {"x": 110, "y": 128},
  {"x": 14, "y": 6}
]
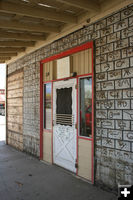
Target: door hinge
[
  {"x": 76, "y": 165},
  {"x": 76, "y": 86},
  {"x": 76, "y": 126}
]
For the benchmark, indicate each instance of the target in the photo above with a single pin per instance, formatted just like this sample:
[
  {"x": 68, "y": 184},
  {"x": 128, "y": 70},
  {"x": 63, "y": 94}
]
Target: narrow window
[
  {"x": 85, "y": 110},
  {"x": 47, "y": 106}
]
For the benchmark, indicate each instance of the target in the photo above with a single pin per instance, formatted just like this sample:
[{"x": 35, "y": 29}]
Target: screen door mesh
[{"x": 64, "y": 106}]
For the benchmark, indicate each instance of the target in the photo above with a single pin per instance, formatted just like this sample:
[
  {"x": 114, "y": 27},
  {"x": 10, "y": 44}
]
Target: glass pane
[
  {"x": 47, "y": 106},
  {"x": 64, "y": 106},
  {"x": 86, "y": 106}
]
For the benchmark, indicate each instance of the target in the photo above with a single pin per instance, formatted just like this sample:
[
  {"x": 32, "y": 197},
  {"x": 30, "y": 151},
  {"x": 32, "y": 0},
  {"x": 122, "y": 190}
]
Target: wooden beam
[
  {"x": 11, "y": 50},
  {"x": 21, "y": 36},
  {"x": 2, "y": 61},
  {"x": 17, "y": 17},
  {"x": 5, "y": 58},
  {"x": 27, "y": 27},
  {"x": 44, "y": 13},
  {"x": 8, "y": 54},
  {"x": 16, "y": 44},
  {"x": 52, "y": 3},
  {"x": 83, "y": 4}
]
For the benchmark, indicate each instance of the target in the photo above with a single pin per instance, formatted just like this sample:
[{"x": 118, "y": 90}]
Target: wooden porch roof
[{"x": 23, "y": 23}]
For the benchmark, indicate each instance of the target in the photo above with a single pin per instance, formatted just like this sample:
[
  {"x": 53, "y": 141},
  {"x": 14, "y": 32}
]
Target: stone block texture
[{"x": 113, "y": 56}]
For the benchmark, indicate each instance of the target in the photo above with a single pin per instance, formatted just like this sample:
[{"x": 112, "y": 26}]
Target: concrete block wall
[
  {"x": 113, "y": 38},
  {"x": 32, "y": 108},
  {"x": 114, "y": 93},
  {"x": 31, "y": 102}
]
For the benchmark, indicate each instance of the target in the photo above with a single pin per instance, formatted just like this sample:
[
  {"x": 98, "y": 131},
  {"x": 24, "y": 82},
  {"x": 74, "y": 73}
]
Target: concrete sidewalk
[{"x": 23, "y": 177}]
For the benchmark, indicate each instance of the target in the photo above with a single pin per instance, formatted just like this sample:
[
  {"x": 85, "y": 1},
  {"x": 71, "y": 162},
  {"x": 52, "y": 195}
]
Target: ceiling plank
[
  {"x": 84, "y": 4},
  {"x": 11, "y": 50},
  {"x": 17, "y": 17},
  {"x": 52, "y": 3},
  {"x": 8, "y": 54},
  {"x": 16, "y": 44},
  {"x": 35, "y": 12},
  {"x": 21, "y": 36},
  {"x": 5, "y": 58},
  {"x": 60, "y": 7},
  {"x": 27, "y": 27}
]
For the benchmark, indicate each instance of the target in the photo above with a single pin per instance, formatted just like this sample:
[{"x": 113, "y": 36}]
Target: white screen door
[{"x": 64, "y": 120}]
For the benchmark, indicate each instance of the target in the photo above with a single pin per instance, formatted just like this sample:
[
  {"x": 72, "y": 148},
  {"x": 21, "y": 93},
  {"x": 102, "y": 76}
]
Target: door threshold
[{"x": 64, "y": 169}]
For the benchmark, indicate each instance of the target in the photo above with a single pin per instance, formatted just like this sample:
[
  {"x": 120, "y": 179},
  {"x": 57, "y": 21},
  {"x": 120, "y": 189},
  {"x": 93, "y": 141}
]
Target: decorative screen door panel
[{"x": 64, "y": 120}]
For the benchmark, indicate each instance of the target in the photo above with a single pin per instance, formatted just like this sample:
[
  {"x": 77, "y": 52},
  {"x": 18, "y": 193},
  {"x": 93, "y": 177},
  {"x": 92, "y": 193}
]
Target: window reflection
[
  {"x": 47, "y": 106},
  {"x": 86, "y": 106}
]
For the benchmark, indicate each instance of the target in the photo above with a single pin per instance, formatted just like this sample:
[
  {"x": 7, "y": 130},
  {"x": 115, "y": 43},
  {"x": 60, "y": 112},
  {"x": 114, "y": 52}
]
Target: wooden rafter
[
  {"x": 17, "y": 17},
  {"x": 44, "y": 13},
  {"x": 58, "y": 6},
  {"x": 21, "y": 36},
  {"x": 11, "y": 49},
  {"x": 84, "y": 4},
  {"x": 52, "y": 3},
  {"x": 8, "y": 54},
  {"x": 5, "y": 58},
  {"x": 27, "y": 26},
  {"x": 16, "y": 44}
]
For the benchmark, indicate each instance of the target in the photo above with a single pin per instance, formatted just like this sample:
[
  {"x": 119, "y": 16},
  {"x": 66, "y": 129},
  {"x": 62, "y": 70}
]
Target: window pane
[
  {"x": 47, "y": 106},
  {"x": 86, "y": 106}
]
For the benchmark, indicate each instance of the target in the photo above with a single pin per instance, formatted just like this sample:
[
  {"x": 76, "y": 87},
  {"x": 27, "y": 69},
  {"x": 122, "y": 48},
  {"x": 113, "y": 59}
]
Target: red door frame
[{"x": 88, "y": 45}]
